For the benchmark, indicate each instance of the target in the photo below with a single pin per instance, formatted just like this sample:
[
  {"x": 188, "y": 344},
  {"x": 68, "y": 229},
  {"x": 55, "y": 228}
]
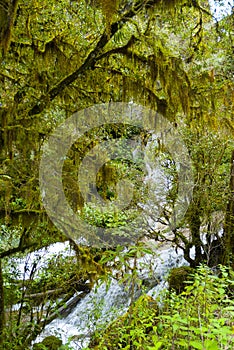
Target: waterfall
[
  {"x": 41, "y": 258},
  {"x": 111, "y": 299}
]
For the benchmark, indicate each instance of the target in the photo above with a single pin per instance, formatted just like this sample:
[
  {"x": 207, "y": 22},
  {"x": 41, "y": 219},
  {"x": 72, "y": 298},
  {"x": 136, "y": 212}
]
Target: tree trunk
[
  {"x": 194, "y": 221},
  {"x": 195, "y": 225},
  {"x": 228, "y": 236},
  {"x": 2, "y": 313}
]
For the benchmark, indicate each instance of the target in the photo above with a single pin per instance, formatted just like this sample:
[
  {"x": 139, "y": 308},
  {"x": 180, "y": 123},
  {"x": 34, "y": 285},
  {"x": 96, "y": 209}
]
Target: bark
[
  {"x": 75, "y": 285},
  {"x": 42, "y": 295},
  {"x": 228, "y": 237},
  {"x": 195, "y": 225},
  {"x": 187, "y": 257},
  {"x": 194, "y": 220},
  {"x": 8, "y": 11},
  {"x": 2, "y": 310},
  {"x": 18, "y": 249}
]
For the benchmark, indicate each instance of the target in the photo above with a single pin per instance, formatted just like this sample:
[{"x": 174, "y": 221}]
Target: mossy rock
[
  {"x": 178, "y": 276},
  {"x": 49, "y": 343},
  {"x": 134, "y": 326}
]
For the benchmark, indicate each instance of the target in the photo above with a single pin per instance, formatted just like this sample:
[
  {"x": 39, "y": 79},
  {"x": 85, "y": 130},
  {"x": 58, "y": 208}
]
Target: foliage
[
  {"x": 40, "y": 293},
  {"x": 132, "y": 330},
  {"x": 61, "y": 56},
  {"x": 101, "y": 218},
  {"x": 201, "y": 317}
]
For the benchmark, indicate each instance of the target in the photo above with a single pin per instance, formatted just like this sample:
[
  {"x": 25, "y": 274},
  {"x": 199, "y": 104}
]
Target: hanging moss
[
  {"x": 7, "y": 17},
  {"x": 171, "y": 4},
  {"x": 108, "y": 9}
]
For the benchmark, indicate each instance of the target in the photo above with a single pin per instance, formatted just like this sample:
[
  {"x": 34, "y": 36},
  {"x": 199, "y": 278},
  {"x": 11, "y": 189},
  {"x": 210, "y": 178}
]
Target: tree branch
[
  {"x": 92, "y": 58},
  {"x": 15, "y": 250}
]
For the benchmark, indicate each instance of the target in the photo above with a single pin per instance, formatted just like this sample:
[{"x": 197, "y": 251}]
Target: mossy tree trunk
[
  {"x": 194, "y": 225},
  {"x": 228, "y": 239},
  {"x": 195, "y": 218},
  {"x": 2, "y": 311}
]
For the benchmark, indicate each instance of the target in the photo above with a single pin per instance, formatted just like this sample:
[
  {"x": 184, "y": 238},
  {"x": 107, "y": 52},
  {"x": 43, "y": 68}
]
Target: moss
[
  {"x": 177, "y": 278},
  {"x": 51, "y": 343},
  {"x": 8, "y": 11}
]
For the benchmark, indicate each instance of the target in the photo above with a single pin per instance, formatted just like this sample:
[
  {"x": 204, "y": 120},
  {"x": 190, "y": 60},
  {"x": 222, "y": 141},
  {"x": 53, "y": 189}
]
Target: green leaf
[
  {"x": 156, "y": 346},
  {"x": 175, "y": 327},
  {"x": 182, "y": 342},
  {"x": 196, "y": 344},
  {"x": 211, "y": 345}
]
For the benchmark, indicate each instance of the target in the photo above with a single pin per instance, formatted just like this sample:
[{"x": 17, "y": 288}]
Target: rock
[
  {"x": 177, "y": 278},
  {"x": 51, "y": 343}
]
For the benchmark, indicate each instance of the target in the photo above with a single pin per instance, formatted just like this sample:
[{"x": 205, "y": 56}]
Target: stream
[{"x": 111, "y": 299}]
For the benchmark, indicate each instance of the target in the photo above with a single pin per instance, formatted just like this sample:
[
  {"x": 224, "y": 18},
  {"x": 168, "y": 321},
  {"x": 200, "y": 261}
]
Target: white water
[
  {"x": 40, "y": 259},
  {"x": 105, "y": 303},
  {"x": 220, "y": 9}
]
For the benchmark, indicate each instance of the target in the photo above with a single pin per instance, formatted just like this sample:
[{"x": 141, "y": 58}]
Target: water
[
  {"x": 220, "y": 9},
  {"x": 103, "y": 303},
  {"x": 40, "y": 259},
  {"x": 109, "y": 300}
]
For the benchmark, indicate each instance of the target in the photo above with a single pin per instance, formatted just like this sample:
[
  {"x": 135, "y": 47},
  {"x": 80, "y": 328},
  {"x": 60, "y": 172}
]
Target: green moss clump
[
  {"x": 51, "y": 343},
  {"x": 177, "y": 278}
]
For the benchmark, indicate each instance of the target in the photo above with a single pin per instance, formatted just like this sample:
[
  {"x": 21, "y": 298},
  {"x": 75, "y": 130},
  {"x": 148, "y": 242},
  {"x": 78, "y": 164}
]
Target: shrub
[
  {"x": 201, "y": 317},
  {"x": 132, "y": 329}
]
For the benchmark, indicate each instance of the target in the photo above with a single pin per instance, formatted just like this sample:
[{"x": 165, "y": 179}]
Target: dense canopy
[{"x": 60, "y": 57}]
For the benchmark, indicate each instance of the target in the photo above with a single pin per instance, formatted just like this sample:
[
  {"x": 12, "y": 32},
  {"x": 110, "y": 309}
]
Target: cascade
[
  {"x": 111, "y": 299},
  {"x": 108, "y": 300}
]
